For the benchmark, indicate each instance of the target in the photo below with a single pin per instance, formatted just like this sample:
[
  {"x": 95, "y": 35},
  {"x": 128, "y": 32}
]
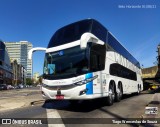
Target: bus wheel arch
[{"x": 119, "y": 92}]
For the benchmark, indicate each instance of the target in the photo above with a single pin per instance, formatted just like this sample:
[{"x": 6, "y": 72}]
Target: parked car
[
  {"x": 3, "y": 87},
  {"x": 21, "y": 86},
  {"x": 16, "y": 87},
  {"x": 10, "y": 87},
  {"x": 39, "y": 85}
]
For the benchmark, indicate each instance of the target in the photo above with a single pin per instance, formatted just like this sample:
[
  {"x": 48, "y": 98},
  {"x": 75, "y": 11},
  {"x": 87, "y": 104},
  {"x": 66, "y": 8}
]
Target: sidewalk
[
  {"x": 18, "y": 99},
  {"x": 155, "y": 102}
]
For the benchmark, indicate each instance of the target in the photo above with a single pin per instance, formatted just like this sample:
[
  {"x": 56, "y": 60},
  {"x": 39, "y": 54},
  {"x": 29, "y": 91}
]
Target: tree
[
  {"x": 40, "y": 80},
  {"x": 29, "y": 81}
]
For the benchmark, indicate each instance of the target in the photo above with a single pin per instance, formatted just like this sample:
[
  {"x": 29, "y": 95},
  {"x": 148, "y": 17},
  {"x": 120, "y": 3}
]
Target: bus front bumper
[{"x": 77, "y": 93}]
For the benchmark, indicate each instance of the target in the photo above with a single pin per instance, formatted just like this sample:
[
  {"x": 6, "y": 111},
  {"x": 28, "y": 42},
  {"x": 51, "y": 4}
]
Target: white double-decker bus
[{"x": 84, "y": 60}]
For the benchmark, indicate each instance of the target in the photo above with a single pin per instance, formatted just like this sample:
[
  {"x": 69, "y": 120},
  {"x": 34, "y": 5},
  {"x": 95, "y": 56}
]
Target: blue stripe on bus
[{"x": 89, "y": 86}]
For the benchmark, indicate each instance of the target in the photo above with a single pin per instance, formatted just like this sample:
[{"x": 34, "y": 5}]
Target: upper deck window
[
  {"x": 99, "y": 31},
  {"x": 70, "y": 33}
]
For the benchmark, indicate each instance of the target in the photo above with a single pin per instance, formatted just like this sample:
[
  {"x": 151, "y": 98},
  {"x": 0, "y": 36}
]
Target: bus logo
[{"x": 6, "y": 121}]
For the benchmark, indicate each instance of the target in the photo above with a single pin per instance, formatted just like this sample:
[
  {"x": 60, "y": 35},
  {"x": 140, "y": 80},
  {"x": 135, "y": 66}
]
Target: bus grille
[{"x": 64, "y": 87}]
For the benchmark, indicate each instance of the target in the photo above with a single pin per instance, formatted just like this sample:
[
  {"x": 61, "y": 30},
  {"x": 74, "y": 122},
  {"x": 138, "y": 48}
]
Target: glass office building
[
  {"x": 19, "y": 51},
  {"x": 5, "y": 66}
]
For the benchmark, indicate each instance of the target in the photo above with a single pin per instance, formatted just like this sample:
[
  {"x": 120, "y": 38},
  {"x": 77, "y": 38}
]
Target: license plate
[{"x": 59, "y": 97}]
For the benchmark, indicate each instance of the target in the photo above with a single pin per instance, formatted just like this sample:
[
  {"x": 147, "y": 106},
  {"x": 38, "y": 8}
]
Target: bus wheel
[
  {"x": 139, "y": 89},
  {"x": 118, "y": 94},
  {"x": 111, "y": 96}
]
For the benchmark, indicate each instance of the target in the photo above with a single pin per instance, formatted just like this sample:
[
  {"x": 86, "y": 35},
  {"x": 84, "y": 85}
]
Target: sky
[{"x": 136, "y": 24}]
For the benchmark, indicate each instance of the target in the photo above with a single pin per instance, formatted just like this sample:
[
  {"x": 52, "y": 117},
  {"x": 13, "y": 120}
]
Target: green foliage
[
  {"x": 40, "y": 80},
  {"x": 29, "y": 81}
]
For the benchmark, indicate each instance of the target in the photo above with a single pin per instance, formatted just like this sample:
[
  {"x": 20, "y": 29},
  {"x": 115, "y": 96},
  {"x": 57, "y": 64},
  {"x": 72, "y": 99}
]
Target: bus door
[{"x": 97, "y": 64}]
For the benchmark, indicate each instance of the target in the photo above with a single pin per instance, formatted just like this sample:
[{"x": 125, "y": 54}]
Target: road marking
[{"x": 53, "y": 113}]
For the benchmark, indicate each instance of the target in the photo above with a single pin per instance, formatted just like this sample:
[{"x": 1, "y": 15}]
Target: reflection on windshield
[{"x": 72, "y": 62}]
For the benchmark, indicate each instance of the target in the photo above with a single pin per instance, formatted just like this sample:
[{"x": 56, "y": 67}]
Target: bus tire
[
  {"x": 139, "y": 89},
  {"x": 110, "y": 98},
  {"x": 119, "y": 93}
]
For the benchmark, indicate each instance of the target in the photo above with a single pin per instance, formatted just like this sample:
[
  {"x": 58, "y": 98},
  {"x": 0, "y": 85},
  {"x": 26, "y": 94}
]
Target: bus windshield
[{"x": 64, "y": 64}]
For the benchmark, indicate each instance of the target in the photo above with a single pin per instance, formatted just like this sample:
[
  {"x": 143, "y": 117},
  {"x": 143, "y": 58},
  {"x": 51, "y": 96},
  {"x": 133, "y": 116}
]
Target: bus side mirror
[
  {"x": 33, "y": 50},
  {"x": 89, "y": 37}
]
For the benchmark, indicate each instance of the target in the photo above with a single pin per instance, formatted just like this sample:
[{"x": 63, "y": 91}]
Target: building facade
[
  {"x": 19, "y": 73},
  {"x": 6, "y": 74},
  {"x": 19, "y": 51}
]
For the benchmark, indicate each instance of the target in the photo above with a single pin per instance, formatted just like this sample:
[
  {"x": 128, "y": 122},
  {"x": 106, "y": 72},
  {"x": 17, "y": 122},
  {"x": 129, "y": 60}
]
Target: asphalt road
[{"x": 54, "y": 113}]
